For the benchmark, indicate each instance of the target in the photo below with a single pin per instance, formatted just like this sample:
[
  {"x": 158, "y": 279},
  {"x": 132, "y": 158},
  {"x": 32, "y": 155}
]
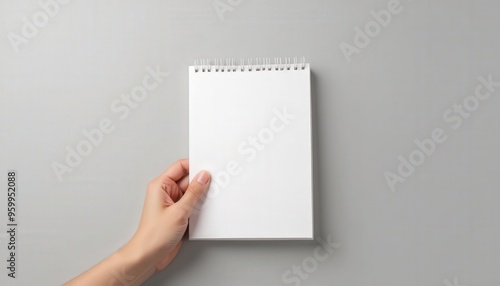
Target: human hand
[{"x": 170, "y": 200}]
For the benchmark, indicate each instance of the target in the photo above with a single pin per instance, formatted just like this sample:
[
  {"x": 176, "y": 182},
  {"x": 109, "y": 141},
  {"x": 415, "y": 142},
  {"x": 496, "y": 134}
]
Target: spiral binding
[{"x": 260, "y": 64}]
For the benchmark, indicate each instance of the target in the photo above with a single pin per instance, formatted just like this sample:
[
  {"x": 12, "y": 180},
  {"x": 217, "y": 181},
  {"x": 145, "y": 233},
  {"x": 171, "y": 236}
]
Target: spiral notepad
[{"x": 250, "y": 127}]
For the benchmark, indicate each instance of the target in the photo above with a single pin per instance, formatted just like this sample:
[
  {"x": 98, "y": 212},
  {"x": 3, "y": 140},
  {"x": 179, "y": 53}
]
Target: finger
[
  {"x": 171, "y": 190},
  {"x": 175, "y": 172},
  {"x": 183, "y": 183},
  {"x": 195, "y": 191}
]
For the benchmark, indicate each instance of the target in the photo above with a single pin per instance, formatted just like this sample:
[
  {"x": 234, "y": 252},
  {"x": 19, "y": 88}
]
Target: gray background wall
[{"x": 439, "y": 227}]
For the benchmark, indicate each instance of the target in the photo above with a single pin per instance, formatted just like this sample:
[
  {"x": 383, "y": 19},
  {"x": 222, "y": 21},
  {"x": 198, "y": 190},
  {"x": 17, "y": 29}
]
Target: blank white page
[{"x": 252, "y": 131}]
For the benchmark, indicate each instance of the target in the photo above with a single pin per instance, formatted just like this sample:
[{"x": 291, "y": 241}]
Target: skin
[{"x": 170, "y": 200}]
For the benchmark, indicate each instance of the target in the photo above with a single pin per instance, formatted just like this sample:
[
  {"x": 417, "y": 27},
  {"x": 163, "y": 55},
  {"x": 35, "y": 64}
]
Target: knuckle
[
  {"x": 195, "y": 191},
  {"x": 153, "y": 183},
  {"x": 151, "y": 187}
]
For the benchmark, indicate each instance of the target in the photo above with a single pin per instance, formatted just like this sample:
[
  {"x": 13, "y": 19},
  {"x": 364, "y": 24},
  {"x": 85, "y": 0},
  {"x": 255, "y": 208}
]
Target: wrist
[
  {"x": 132, "y": 253},
  {"x": 135, "y": 265}
]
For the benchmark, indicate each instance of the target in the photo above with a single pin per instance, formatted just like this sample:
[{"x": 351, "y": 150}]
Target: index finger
[{"x": 177, "y": 171}]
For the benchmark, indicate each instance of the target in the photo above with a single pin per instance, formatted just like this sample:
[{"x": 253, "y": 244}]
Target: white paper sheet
[{"x": 252, "y": 131}]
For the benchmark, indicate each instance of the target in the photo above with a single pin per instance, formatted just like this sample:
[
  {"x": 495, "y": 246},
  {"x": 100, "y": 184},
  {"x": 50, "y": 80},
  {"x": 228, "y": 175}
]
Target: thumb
[{"x": 195, "y": 191}]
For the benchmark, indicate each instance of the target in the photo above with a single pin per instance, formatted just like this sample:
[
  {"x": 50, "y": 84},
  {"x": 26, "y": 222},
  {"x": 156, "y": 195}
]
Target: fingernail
[{"x": 203, "y": 177}]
